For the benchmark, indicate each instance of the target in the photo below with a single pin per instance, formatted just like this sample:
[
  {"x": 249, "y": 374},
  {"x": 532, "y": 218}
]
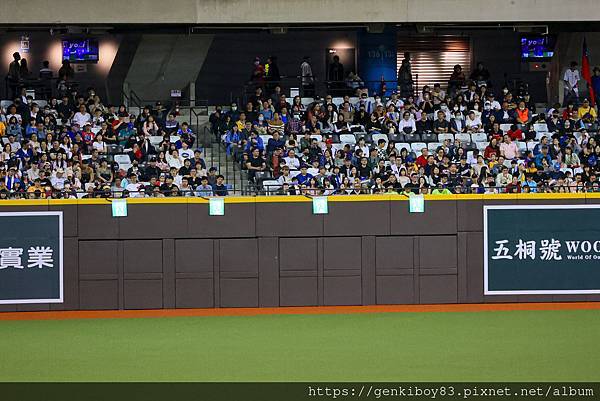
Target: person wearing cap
[
  {"x": 586, "y": 109},
  {"x": 59, "y": 179},
  {"x": 133, "y": 185}
]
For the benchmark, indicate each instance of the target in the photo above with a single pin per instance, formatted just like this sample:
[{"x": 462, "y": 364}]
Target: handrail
[{"x": 388, "y": 196}]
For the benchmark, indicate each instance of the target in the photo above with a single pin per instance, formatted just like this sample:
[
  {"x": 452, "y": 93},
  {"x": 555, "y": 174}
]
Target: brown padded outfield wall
[{"x": 272, "y": 251}]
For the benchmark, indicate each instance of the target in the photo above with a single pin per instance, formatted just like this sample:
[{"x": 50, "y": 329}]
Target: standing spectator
[
  {"x": 308, "y": 80},
  {"x": 596, "y": 85},
  {"x": 14, "y": 75},
  {"x": 336, "y": 75},
  {"x": 570, "y": 81},
  {"x": 258, "y": 73},
  {"x": 405, "y": 80},
  {"x": 272, "y": 75},
  {"x": 456, "y": 81}
]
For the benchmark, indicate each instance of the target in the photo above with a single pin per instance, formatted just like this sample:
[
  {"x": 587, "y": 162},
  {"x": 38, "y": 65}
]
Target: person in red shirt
[
  {"x": 422, "y": 160},
  {"x": 515, "y": 133}
]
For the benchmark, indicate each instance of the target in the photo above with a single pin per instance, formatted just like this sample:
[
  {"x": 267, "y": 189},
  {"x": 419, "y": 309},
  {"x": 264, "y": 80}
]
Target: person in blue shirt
[
  {"x": 204, "y": 189},
  {"x": 255, "y": 141},
  {"x": 274, "y": 143},
  {"x": 25, "y": 153},
  {"x": 304, "y": 177},
  {"x": 233, "y": 140},
  {"x": 531, "y": 183},
  {"x": 542, "y": 155}
]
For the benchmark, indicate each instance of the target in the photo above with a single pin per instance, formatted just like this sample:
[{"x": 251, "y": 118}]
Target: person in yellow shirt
[
  {"x": 586, "y": 108},
  {"x": 2, "y": 128}
]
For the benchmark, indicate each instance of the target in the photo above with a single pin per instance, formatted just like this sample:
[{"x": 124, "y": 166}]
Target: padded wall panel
[
  {"x": 438, "y": 289},
  {"x": 287, "y": 219},
  {"x": 143, "y": 294},
  {"x": 239, "y": 221},
  {"x": 395, "y": 290},
  {"x": 96, "y": 221},
  {"x": 193, "y": 255},
  {"x": 439, "y": 218},
  {"x": 357, "y": 218},
  {"x": 298, "y": 291},
  {"x": 239, "y": 293},
  {"x": 167, "y": 221},
  {"x": 98, "y": 294},
  {"x": 194, "y": 293},
  {"x": 342, "y": 290}
]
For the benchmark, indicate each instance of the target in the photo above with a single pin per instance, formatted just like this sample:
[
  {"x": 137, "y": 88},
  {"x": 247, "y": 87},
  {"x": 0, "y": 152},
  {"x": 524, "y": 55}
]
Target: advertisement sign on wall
[
  {"x": 31, "y": 257},
  {"x": 541, "y": 249}
]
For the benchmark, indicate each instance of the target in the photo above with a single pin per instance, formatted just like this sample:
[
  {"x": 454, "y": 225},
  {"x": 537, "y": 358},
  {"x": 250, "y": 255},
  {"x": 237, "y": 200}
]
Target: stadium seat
[
  {"x": 123, "y": 161},
  {"x": 531, "y": 145},
  {"x": 505, "y": 127},
  {"x": 271, "y": 186},
  {"x": 40, "y": 102},
  {"x": 479, "y": 137},
  {"x": 429, "y": 137},
  {"x": 540, "y": 127},
  {"x": 307, "y": 100},
  {"x": 95, "y": 130},
  {"x": 317, "y": 137},
  {"x": 114, "y": 149},
  {"x": 173, "y": 138},
  {"x": 481, "y": 145},
  {"x": 377, "y": 137},
  {"x": 468, "y": 145},
  {"x": 265, "y": 139},
  {"x": 411, "y": 138},
  {"x": 417, "y": 146},
  {"x": 522, "y": 146},
  {"x": 463, "y": 137},
  {"x": 397, "y": 137},
  {"x": 433, "y": 146},
  {"x": 5, "y": 103},
  {"x": 402, "y": 145},
  {"x": 443, "y": 137},
  {"x": 155, "y": 140},
  {"x": 348, "y": 138}
]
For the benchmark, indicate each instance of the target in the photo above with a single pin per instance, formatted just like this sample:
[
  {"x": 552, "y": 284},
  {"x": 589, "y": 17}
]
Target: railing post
[{"x": 192, "y": 94}]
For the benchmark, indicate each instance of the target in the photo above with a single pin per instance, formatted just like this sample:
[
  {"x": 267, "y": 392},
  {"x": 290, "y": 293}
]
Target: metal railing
[
  {"x": 145, "y": 191},
  {"x": 319, "y": 87}
]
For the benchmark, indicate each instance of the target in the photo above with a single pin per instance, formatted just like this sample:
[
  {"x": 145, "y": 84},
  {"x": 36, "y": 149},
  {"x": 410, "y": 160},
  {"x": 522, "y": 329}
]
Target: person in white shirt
[
  {"x": 473, "y": 123},
  {"x": 570, "y": 80},
  {"x": 174, "y": 159},
  {"x": 82, "y": 117},
  {"x": 407, "y": 124},
  {"x": 291, "y": 160},
  {"x": 285, "y": 177}
]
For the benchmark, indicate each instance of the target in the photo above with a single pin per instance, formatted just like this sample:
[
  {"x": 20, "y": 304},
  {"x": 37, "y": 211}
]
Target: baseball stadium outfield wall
[{"x": 272, "y": 251}]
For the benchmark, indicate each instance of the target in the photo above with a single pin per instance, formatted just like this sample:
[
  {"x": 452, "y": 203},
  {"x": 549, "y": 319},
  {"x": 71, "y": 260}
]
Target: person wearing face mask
[
  {"x": 522, "y": 115},
  {"x": 234, "y": 113},
  {"x": 457, "y": 126},
  {"x": 488, "y": 118}
]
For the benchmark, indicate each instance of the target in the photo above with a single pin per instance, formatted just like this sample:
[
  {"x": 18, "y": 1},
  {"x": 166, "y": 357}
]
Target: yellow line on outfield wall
[{"x": 299, "y": 198}]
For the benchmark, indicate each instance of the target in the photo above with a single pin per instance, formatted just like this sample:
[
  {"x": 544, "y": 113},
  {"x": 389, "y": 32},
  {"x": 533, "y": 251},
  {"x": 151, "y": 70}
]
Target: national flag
[{"x": 586, "y": 72}]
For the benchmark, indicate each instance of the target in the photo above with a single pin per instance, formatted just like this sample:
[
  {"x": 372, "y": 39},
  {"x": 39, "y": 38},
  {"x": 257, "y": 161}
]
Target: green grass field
[{"x": 475, "y": 346}]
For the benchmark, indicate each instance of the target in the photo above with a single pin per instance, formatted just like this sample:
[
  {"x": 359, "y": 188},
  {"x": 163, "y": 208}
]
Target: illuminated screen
[
  {"x": 80, "y": 50},
  {"x": 537, "y": 47}
]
